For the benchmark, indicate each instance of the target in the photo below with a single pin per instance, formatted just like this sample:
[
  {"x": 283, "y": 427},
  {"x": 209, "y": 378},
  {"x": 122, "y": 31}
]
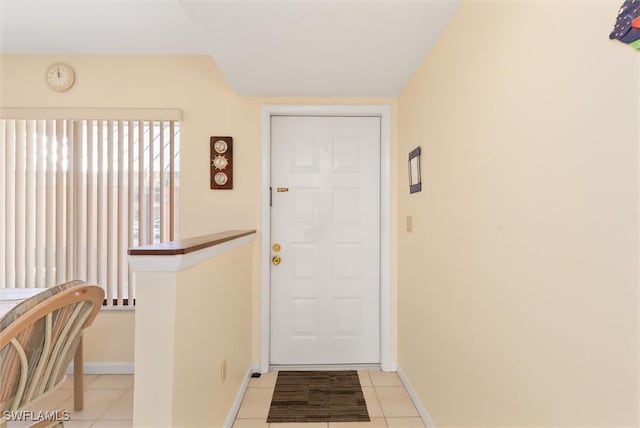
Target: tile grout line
[
  {"x": 375, "y": 393},
  {"x": 101, "y": 418},
  {"x": 108, "y": 407},
  {"x": 386, "y": 417}
]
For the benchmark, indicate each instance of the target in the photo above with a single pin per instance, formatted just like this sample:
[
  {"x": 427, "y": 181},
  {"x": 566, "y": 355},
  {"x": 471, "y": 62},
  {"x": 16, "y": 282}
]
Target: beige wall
[
  {"x": 110, "y": 338},
  {"x": 213, "y": 325},
  {"x": 518, "y": 288},
  {"x": 195, "y": 85},
  {"x": 191, "y": 323}
]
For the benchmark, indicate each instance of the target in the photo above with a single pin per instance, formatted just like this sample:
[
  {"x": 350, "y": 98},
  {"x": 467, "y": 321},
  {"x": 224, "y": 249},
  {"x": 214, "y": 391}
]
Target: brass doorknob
[{"x": 276, "y": 260}]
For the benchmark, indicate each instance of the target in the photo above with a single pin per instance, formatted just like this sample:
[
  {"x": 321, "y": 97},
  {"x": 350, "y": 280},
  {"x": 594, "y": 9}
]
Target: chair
[{"x": 38, "y": 339}]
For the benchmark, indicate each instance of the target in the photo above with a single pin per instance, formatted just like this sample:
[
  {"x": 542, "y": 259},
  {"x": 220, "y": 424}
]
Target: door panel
[{"x": 325, "y": 294}]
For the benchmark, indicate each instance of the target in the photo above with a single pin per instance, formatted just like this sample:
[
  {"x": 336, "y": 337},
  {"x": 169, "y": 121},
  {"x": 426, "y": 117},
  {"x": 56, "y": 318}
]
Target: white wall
[{"x": 518, "y": 288}]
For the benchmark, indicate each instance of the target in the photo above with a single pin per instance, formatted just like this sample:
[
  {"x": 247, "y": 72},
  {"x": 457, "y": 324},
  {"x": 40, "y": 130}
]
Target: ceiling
[{"x": 263, "y": 47}]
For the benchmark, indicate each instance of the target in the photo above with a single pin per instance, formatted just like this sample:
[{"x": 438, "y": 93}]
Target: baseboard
[
  {"x": 235, "y": 407},
  {"x": 104, "y": 368},
  {"x": 426, "y": 418}
]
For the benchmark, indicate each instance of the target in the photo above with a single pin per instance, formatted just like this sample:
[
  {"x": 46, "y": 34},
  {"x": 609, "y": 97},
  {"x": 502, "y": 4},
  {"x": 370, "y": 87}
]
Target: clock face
[
  {"x": 220, "y": 162},
  {"x": 220, "y": 146},
  {"x": 60, "y": 77},
  {"x": 220, "y": 178}
]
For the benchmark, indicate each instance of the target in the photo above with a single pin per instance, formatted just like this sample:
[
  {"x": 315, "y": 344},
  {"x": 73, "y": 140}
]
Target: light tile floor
[
  {"x": 388, "y": 404},
  {"x": 108, "y": 402}
]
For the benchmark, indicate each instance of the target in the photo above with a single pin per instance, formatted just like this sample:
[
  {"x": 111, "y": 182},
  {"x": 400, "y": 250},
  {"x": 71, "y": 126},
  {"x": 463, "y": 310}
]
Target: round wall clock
[{"x": 60, "y": 77}]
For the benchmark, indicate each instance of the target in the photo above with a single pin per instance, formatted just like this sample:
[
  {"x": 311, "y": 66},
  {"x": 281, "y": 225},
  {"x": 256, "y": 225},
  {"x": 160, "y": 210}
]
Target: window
[{"x": 76, "y": 193}]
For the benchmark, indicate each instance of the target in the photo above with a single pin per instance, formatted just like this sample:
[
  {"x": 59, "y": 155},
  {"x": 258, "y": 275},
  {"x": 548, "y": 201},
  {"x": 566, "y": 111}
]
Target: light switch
[{"x": 409, "y": 224}]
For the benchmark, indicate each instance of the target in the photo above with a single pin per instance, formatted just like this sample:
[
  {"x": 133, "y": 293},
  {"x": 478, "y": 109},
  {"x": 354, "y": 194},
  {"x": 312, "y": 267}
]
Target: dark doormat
[{"x": 318, "y": 396}]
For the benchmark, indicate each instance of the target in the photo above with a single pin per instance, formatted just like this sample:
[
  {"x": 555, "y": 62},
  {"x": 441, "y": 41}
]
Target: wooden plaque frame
[{"x": 228, "y": 170}]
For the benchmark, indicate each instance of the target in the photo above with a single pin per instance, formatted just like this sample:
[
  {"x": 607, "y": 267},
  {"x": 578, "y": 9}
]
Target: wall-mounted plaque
[{"x": 221, "y": 163}]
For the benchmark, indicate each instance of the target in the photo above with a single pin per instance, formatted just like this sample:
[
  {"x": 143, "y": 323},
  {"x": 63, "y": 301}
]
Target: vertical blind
[{"x": 76, "y": 194}]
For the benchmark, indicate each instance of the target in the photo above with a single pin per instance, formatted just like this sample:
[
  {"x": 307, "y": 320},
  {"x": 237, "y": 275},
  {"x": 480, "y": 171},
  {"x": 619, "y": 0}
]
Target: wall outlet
[
  {"x": 409, "y": 224},
  {"x": 223, "y": 371}
]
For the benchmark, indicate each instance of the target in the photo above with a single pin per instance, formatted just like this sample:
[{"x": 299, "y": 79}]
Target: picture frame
[{"x": 415, "y": 179}]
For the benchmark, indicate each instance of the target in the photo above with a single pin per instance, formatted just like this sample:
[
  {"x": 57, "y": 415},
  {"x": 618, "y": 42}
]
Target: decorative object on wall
[
  {"x": 60, "y": 76},
  {"x": 415, "y": 180},
  {"x": 627, "y": 28},
  {"x": 221, "y": 163}
]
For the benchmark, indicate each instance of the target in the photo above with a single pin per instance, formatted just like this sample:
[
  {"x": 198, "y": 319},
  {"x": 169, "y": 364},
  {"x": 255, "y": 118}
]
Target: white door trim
[{"x": 382, "y": 111}]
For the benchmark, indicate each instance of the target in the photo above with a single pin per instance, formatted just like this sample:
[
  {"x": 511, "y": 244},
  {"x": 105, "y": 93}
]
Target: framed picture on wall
[{"x": 415, "y": 180}]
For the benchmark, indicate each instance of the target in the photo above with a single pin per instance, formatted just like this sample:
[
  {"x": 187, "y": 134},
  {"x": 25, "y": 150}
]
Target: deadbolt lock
[
  {"x": 276, "y": 247},
  {"x": 276, "y": 260}
]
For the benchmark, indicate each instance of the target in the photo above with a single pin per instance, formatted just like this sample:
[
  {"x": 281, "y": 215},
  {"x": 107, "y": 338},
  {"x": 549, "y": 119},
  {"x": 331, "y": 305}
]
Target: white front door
[{"x": 325, "y": 216}]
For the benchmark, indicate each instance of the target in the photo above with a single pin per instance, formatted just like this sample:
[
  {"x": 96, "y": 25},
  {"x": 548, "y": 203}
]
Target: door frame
[{"x": 384, "y": 113}]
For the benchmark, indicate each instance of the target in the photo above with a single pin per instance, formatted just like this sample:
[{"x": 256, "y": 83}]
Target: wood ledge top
[{"x": 186, "y": 246}]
